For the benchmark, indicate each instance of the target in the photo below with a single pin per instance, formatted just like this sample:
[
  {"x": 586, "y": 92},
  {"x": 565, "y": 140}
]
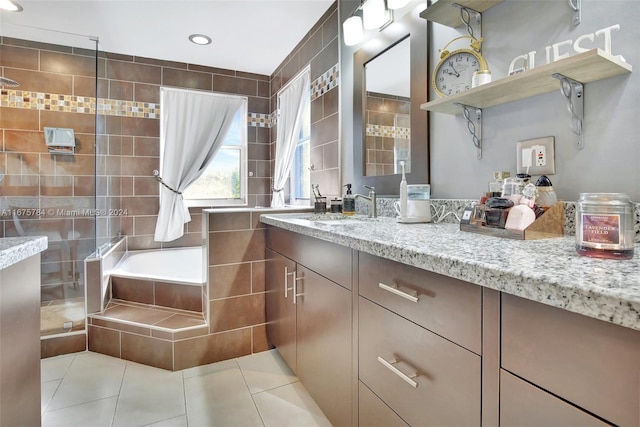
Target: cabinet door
[
  {"x": 280, "y": 310},
  {"x": 324, "y": 344},
  {"x": 522, "y": 404}
]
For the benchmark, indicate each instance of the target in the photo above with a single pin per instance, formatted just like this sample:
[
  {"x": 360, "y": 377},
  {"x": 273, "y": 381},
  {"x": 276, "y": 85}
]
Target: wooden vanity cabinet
[
  {"x": 591, "y": 364},
  {"x": 312, "y": 326}
]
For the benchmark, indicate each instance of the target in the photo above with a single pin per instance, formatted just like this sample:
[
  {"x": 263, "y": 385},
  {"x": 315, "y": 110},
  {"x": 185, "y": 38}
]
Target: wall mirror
[
  {"x": 398, "y": 128},
  {"x": 387, "y": 111}
]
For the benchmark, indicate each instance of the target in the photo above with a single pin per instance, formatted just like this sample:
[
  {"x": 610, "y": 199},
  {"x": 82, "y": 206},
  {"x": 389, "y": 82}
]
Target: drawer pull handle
[
  {"x": 408, "y": 379},
  {"x": 394, "y": 290}
]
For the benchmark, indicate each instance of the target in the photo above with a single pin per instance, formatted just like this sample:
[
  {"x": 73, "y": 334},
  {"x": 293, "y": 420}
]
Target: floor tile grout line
[
  {"x": 115, "y": 407},
  {"x": 246, "y": 384}
]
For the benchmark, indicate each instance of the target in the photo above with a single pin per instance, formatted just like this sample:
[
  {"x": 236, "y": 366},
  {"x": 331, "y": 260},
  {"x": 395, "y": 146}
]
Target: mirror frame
[{"x": 417, "y": 29}]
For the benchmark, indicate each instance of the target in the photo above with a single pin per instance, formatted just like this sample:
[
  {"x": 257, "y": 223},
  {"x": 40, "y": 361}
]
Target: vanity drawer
[
  {"x": 446, "y": 390},
  {"x": 373, "y": 412},
  {"x": 524, "y": 405},
  {"x": 449, "y": 307},
  {"x": 327, "y": 259},
  {"x": 590, "y": 363}
]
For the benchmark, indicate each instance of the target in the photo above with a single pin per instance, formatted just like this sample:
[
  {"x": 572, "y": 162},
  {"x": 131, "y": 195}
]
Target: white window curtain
[
  {"x": 193, "y": 125},
  {"x": 289, "y": 123}
]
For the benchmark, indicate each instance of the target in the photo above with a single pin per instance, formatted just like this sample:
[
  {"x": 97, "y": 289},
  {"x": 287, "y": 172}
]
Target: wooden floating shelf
[
  {"x": 445, "y": 13},
  {"x": 585, "y": 67},
  {"x": 550, "y": 224}
]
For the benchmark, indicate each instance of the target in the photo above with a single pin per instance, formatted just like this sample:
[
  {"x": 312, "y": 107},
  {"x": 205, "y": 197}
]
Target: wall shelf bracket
[
  {"x": 472, "y": 19},
  {"x": 573, "y": 91},
  {"x": 473, "y": 115},
  {"x": 576, "y": 6}
]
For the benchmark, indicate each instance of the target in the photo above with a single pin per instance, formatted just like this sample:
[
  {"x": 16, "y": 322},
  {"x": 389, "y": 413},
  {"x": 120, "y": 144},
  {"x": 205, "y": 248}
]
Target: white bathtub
[{"x": 179, "y": 265}]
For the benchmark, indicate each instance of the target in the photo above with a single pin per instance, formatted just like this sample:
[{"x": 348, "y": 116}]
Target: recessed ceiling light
[
  {"x": 200, "y": 39},
  {"x": 11, "y": 6}
]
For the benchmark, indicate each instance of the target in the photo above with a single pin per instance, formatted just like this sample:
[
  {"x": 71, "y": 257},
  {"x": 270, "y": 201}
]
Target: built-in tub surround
[{"x": 548, "y": 270}]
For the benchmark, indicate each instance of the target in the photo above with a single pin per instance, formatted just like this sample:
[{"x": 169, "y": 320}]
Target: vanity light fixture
[
  {"x": 375, "y": 14},
  {"x": 200, "y": 39},
  {"x": 10, "y": 6},
  {"x": 397, "y": 4}
]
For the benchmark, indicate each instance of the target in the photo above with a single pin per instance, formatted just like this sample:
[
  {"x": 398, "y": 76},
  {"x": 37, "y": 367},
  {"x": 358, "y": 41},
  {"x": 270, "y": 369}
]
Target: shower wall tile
[
  {"x": 63, "y": 63},
  {"x": 128, "y": 71},
  {"x": 18, "y": 57},
  {"x": 41, "y": 81},
  {"x": 121, "y": 90},
  {"x": 15, "y": 118},
  {"x": 50, "y": 347},
  {"x": 84, "y": 86}
]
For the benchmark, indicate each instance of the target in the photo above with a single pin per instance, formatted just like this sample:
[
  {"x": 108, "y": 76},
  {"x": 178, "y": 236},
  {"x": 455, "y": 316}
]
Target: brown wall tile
[
  {"x": 146, "y": 350},
  {"x": 132, "y": 290},
  {"x": 104, "y": 341},
  {"x": 82, "y": 123},
  {"x": 140, "y": 127},
  {"x": 50, "y": 347},
  {"x": 229, "y": 280},
  {"x": 120, "y": 90},
  {"x": 183, "y": 297},
  {"x": 16, "y": 118},
  {"x": 147, "y": 93},
  {"x": 187, "y": 79},
  {"x": 212, "y": 348},
  {"x": 235, "y": 85},
  {"x": 220, "y": 221},
  {"x": 120, "y": 70},
  {"x": 63, "y": 63},
  {"x": 259, "y": 341},
  {"x": 41, "y": 82},
  {"x": 257, "y": 276},
  {"x": 18, "y": 57},
  {"x": 237, "y": 312},
  {"x": 236, "y": 246}
]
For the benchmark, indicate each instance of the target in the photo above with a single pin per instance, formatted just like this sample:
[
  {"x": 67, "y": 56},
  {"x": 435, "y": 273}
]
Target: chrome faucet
[{"x": 373, "y": 212}]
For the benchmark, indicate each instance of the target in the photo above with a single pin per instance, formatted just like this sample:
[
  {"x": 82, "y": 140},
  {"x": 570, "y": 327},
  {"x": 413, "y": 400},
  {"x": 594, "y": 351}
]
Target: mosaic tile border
[
  {"x": 327, "y": 81},
  {"x": 115, "y": 107},
  {"x": 388, "y": 131}
]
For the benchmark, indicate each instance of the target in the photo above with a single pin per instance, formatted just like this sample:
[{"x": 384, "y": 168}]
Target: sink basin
[{"x": 338, "y": 221}]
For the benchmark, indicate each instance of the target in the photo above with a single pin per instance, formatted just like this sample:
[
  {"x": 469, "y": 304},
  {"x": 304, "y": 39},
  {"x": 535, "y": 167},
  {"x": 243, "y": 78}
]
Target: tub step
[{"x": 150, "y": 320}]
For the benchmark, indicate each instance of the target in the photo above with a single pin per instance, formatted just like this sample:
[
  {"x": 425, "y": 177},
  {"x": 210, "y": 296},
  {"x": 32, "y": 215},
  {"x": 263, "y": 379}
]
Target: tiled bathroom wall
[
  {"x": 319, "y": 50},
  {"x": 388, "y": 133}
]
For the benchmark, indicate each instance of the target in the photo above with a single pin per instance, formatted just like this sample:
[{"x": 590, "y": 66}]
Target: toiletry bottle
[
  {"x": 348, "y": 202},
  {"x": 403, "y": 194}
]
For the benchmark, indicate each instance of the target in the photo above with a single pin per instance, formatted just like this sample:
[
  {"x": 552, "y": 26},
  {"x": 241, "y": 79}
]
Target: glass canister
[{"x": 604, "y": 225}]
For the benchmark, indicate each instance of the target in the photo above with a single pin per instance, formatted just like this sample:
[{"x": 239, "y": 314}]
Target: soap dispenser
[
  {"x": 348, "y": 202},
  {"x": 403, "y": 194}
]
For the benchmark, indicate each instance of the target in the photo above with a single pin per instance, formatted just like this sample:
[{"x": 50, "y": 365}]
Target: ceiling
[{"x": 248, "y": 35}]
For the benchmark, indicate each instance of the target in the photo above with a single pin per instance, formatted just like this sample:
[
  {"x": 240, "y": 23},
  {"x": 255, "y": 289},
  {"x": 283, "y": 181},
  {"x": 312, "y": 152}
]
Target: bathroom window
[
  {"x": 224, "y": 182},
  {"x": 300, "y": 172}
]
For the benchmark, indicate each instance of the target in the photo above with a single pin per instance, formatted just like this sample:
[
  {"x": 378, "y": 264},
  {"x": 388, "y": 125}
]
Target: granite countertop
[
  {"x": 548, "y": 270},
  {"x": 16, "y": 249}
]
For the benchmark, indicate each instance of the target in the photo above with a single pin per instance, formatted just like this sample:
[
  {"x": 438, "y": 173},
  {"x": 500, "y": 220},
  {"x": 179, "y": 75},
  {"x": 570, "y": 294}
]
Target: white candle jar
[{"x": 604, "y": 225}]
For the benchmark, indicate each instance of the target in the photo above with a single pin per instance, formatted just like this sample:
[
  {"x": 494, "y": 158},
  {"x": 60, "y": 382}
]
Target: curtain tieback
[
  {"x": 156, "y": 174},
  {"x": 277, "y": 190}
]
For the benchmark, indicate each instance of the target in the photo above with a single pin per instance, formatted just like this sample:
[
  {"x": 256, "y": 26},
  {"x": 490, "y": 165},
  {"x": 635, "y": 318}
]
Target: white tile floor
[{"x": 91, "y": 390}]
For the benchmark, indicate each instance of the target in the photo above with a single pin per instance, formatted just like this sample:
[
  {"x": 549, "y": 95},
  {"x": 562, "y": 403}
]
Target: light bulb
[
  {"x": 397, "y": 4},
  {"x": 353, "y": 32},
  {"x": 374, "y": 14}
]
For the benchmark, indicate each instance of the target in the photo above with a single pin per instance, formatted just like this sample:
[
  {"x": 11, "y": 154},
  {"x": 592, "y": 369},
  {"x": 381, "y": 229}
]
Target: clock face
[{"x": 455, "y": 72}]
